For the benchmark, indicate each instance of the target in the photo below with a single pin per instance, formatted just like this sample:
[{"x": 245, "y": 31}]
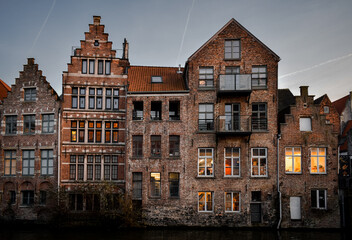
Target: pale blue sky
[{"x": 312, "y": 37}]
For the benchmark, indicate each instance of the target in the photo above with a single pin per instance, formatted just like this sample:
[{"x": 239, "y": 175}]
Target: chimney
[
  {"x": 96, "y": 20},
  {"x": 179, "y": 69},
  {"x": 351, "y": 101},
  {"x": 30, "y": 61},
  {"x": 304, "y": 93},
  {"x": 125, "y": 49}
]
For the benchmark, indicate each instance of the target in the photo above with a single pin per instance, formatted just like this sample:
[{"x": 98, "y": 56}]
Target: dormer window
[
  {"x": 157, "y": 79},
  {"x": 30, "y": 94},
  {"x": 232, "y": 49},
  {"x": 96, "y": 43}
]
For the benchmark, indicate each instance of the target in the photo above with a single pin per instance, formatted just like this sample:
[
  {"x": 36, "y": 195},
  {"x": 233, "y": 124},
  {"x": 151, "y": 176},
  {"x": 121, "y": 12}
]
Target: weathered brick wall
[
  {"x": 46, "y": 102},
  {"x": 300, "y": 185}
]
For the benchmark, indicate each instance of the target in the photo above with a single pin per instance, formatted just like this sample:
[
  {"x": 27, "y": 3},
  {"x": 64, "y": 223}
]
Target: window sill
[
  {"x": 155, "y": 157},
  {"x": 25, "y": 206},
  {"x": 232, "y": 59},
  {"x": 174, "y": 158},
  {"x": 206, "y": 131},
  {"x": 137, "y": 120},
  {"x": 205, "y": 177},
  {"x": 155, "y": 197},
  {"x": 10, "y": 134},
  {"x": 174, "y": 197},
  {"x": 318, "y": 173},
  {"x": 259, "y": 177},
  {"x": 260, "y": 131},
  {"x": 232, "y": 177},
  {"x": 206, "y": 88},
  {"x": 47, "y": 133},
  {"x": 174, "y": 120},
  {"x": 156, "y": 120},
  {"x": 232, "y": 212},
  {"x": 28, "y": 134},
  {"x": 293, "y": 173},
  {"x": 137, "y": 158},
  {"x": 259, "y": 88}
]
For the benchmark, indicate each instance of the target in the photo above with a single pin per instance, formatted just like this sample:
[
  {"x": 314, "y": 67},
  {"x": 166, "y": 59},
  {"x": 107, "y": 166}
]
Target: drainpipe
[
  {"x": 58, "y": 152},
  {"x": 278, "y": 179}
]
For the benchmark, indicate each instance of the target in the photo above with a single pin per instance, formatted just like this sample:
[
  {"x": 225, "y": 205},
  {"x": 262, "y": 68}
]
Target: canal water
[{"x": 173, "y": 234}]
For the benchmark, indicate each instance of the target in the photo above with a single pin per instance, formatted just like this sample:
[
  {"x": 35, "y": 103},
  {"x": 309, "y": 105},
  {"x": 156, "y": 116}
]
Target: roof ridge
[
  {"x": 153, "y": 66},
  {"x": 5, "y": 85}
]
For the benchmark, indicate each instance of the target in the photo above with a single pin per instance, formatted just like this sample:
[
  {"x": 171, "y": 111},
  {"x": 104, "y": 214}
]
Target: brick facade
[{"x": 29, "y": 143}]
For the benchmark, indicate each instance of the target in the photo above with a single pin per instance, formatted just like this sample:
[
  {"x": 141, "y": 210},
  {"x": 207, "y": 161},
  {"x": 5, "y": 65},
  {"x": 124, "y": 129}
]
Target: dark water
[{"x": 178, "y": 234}]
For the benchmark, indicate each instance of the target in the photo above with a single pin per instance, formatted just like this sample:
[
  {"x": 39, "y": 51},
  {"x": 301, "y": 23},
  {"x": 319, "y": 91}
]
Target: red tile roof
[
  {"x": 340, "y": 104},
  {"x": 4, "y": 88},
  {"x": 139, "y": 78}
]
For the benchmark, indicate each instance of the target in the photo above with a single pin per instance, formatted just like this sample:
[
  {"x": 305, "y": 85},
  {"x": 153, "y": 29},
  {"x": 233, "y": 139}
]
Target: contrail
[
  {"x": 315, "y": 66},
  {"x": 41, "y": 29},
  {"x": 184, "y": 32}
]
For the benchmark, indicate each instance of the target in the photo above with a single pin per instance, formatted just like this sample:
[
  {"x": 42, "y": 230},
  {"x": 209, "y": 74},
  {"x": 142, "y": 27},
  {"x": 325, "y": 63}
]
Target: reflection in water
[{"x": 178, "y": 234}]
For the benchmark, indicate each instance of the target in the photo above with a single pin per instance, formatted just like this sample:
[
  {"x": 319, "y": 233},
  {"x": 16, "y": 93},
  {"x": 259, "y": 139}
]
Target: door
[
  {"x": 256, "y": 213},
  {"x": 232, "y": 116}
]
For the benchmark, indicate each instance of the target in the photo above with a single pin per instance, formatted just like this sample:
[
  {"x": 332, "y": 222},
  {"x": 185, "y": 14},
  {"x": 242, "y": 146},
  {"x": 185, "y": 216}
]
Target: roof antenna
[{"x": 179, "y": 69}]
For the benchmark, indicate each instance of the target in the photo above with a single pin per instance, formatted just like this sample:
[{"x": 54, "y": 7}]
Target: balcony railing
[
  {"x": 235, "y": 83},
  {"x": 259, "y": 124},
  {"x": 229, "y": 124},
  {"x": 206, "y": 124}
]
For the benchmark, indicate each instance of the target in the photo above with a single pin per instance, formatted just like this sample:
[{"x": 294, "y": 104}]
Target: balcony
[
  {"x": 205, "y": 125},
  {"x": 234, "y": 125},
  {"x": 240, "y": 84}
]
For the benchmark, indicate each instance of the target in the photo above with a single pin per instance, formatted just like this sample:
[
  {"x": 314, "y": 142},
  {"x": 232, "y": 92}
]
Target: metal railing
[
  {"x": 232, "y": 124},
  {"x": 259, "y": 124},
  {"x": 235, "y": 82},
  {"x": 206, "y": 124}
]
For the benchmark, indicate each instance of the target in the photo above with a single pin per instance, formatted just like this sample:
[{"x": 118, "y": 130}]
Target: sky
[{"x": 312, "y": 37}]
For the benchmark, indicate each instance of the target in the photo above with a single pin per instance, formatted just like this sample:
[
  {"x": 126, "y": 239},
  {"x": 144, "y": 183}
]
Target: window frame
[
  {"x": 232, "y": 159},
  {"x": 32, "y": 91},
  {"x": 317, "y": 198},
  {"x": 49, "y": 159},
  {"x": 256, "y": 76},
  {"x": 27, "y": 197},
  {"x": 318, "y": 162},
  {"x": 84, "y": 66},
  {"x": 157, "y": 108},
  {"x": 206, "y": 202},
  {"x": 29, "y": 161},
  {"x": 303, "y": 121},
  {"x": 174, "y": 110},
  {"x": 157, "y": 79},
  {"x": 12, "y": 162},
  {"x": 137, "y": 113},
  {"x": 204, "y": 75},
  {"x": 174, "y": 184},
  {"x": 11, "y": 124},
  {"x": 174, "y": 146},
  {"x": 50, "y": 122},
  {"x": 259, "y": 157},
  {"x": 257, "y": 115},
  {"x": 29, "y": 120},
  {"x": 209, "y": 122},
  {"x": 293, "y": 156},
  {"x": 91, "y": 67},
  {"x": 232, "y": 202},
  {"x": 155, "y": 146},
  {"x": 155, "y": 192},
  {"x": 137, "y": 185},
  {"x": 232, "y": 47},
  {"x": 137, "y": 146},
  {"x": 206, "y": 162}
]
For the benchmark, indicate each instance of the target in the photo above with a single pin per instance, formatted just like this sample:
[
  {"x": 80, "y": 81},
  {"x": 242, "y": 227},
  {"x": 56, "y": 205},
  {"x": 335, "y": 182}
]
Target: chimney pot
[{"x": 96, "y": 20}]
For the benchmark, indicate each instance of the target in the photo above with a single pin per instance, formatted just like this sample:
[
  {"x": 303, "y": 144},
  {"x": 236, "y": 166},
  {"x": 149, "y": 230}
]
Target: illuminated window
[
  {"x": 73, "y": 131},
  {"x": 155, "y": 185},
  {"x": 81, "y": 131},
  {"x": 232, "y": 201},
  {"x": 293, "y": 160},
  {"x": 98, "y": 127},
  {"x": 205, "y": 162},
  {"x": 205, "y": 201},
  {"x": 232, "y": 162},
  {"x": 259, "y": 162},
  {"x": 318, "y": 160}
]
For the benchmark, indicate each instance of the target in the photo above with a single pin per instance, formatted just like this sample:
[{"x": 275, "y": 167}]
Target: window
[
  {"x": 318, "y": 198},
  {"x": 84, "y": 66},
  {"x": 42, "y": 197},
  {"x": 174, "y": 184},
  {"x": 111, "y": 132},
  {"x": 256, "y": 196},
  {"x": 206, "y": 117},
  {"x": 233, "y": 117},
  {"x": 326, "y": 109},
  {"x": 259, "y": 76},
  {"x": 155, "y": 146},
  {"x": 305, "y": 124},
  {"x": 110, "y": 167},
  {"x": 75, "y": 202},
  {"x": 206, "y": 77},
  {"x": 205, "y": 201},
  {"x": 10, "y": 163},
  {"x": 47, "y": 165},
  {"x": 137, "y": 147},
  {"x": 108, "y": 93},
  {"x": 98, "y": 126},
  {"x": 259, "y": 162},
  {"x": 232, "y": 49},
  {"x": 27, "y": 198},
  {"x": 259, "y": 116},
  {"x": 48, "y": 123},
  {"x": 116, "y": 99},
  {"x": 155, "y": 185},
  {"x": 12, "y": 197},
  {"x": 155, "y": 113},
  {"x": 157, "y": 79},
  {"x": 174, "y": 146},
  {"x": 28, "y": 162},
  {"x": 318, "y": 160},
  {"x": 137, "y": 113},
  {"x": 90, "y": 131},
  {"x": 232, "y": 201},
  {"x": 73, "y": 161},
  {"x": 100, "y": 67},
  {"x": 99, "y": 98},
  {"x": 91, "y": 98},
  {"x": 30, "y": 94},
  {"x": 137, "y": 185},
  {"x": 80, "y": 167},
  {"x": 76, "y": 167},
  {"x": 97, "y": 168},
  {"x": 107, "y": 132},
  {"x": 74, "y": 97},
  {"x": 11, "y": 124},
  {"x": 107, "y": 67},
  {"x": 174, "y": 110},
  {"x": 205, "y": 162},
  {"x": 81, "y": 131},
  {"x": 73, "y": 131},
  {"x": 91, "y": 66},
  {"x": 82, "y": 98},
  {"x": 232, "y": 162},
  {"x": 90, "y": 160},
  {"x": 293, "y": 160},
  {"x": 29, "y": 124}
]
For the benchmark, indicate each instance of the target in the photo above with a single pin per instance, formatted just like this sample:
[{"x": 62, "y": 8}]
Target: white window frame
[
  {"x": 326, "y": 109},
  {"x": 239, "y": 201},
  {"x": 206, "y": 202},
  {"x": 205, "y": 163},
  {"x": 317, "y": 156},
  {"x": 317, "y": 200},
  {"x": 302, "y": 122},
  {"x": 232, "y": 162},
  {"x": 259, "y": 161},
  {"x": 293, "y": 160}
]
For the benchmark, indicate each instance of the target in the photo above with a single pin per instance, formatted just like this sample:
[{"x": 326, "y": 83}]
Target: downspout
[
  {"x": 278, "y": 179},
  {"x": 59, "y": 152}
]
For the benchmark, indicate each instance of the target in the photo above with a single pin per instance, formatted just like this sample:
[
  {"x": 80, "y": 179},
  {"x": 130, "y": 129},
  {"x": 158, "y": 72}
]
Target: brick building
[
  {"x": 93, "y": 120},
  {"x": 308, "y": 161},
  {"x": 157, "y": 142},
  {"x": 29, "y": 143}
]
